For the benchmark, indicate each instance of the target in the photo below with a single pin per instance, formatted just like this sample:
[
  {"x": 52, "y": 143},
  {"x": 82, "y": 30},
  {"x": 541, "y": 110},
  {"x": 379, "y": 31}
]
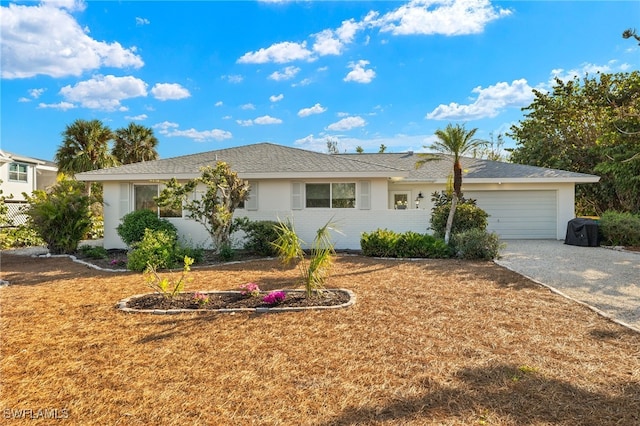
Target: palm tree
[
  {"x": 135, "y": 143},
  {"x": 455, "y": 141},
  {"x": 85, "y": 147}
]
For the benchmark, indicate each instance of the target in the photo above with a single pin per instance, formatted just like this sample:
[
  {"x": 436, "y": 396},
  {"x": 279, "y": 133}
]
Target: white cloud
[
  {"x": 245, "y": 123},
  {"x": 445, "y": 17},
  {"x": 584, "y": 69},
  {"x": 23, "y": 99},
  {"x": 170, "y": 129},
  {"x": 142, "y": 21},
  {"x": 35, "y": 93},
  {"x": 235, "y": 79},
  {"x": 139, "y": 117},
  {"x": 359, "y": 74},
  {"x": 327, "y": 43},
  {"x": 347, "y": 123},
  {"x": 60, "y": 105},
  {"x": 489, "y": 103},
  {"x": 202, "y": 135},
  {"x": 266, "y": 119},
  {"x": 165, "y": 127},
  {"x": 303, "y": 82},
  {"x": 247, "y": 106},
  {"x": 316, "y": 109},
  {"x": 47, "y": 40},
  {"x": 169, "y": 91},
  {"x": 218, "y": 104},
  {"x": 278, "y": 98},
  {"x": 104, "y": 92},
  {"x": 278, "y": 53},
  {"x": 286, "y": 74}
]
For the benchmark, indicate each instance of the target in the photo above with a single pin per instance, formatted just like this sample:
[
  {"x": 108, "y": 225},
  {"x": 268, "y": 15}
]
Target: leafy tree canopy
[
  {"x": 209, "y": 199},
  {"x": 588, "y": 126}
]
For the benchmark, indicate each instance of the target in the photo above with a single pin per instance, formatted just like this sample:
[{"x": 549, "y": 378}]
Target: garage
[{"x": 519, "y": 214}]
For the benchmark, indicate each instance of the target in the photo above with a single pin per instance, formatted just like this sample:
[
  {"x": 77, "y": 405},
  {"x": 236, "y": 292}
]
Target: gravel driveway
[{"x": 602, "y": 278}]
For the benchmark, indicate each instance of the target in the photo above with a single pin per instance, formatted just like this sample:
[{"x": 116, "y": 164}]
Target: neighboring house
[
  {"x": 20, "y": 174},
  {"x": 359, "y": 192}
]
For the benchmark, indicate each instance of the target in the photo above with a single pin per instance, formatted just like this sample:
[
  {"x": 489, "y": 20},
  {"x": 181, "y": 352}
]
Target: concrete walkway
[{"x": 606, "y": 280}]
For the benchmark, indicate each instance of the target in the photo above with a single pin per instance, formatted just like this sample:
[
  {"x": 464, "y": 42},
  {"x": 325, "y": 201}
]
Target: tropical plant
[
  {"x": 169, "y": 289},
  {"x": 467, "y": 215},
  {"x": 314, "y": 270},
  {"x": 135, "y": 223},
  {"x": 385, "y": 243},
  {"x": 454, "y": 141},
  {"x": 85, "y": 147},
  {"x": 134, "y": 143},
  {"x": 214, "y": 209},
  {"x": 476, "y": 244},
  {"x": 259, "y": 235},
  {"x": 156, "y": 249},
  {"x": 61, "y": 217},
  {"x": 620, "y": 229}
]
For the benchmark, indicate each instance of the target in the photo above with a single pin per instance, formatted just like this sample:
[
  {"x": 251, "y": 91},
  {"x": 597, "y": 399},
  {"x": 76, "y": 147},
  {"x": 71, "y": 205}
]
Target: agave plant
[{"x": 314, "y": 270}]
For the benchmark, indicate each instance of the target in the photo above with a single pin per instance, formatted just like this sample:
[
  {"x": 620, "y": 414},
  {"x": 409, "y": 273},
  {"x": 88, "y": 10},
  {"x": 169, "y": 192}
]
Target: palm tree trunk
[
  {"x": 452, "y": 212},
  {"x": 457, "y": 178}
]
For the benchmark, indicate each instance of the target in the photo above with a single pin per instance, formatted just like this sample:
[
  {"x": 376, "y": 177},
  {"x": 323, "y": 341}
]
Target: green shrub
[
  {"x": 97, "y": 228},
  {"x": 385, "y": 243},
  {"x": 134, "y": 224},
  {"x": 94, "y": 252},
  {"x": 260, "y": 236},
  {"x": 226, "y": 253},
  {"x": 467, "y": 216},
  {"x": 156, "y": 250},
  {"x": 21, "y": 236},
  {"x": 477, "y": 244},
  {"x": 379, "y": 243},
  {"x": 196, "y": 254},
  {"x": 620, "y": 229},
  {"x": 61, "y": 217}
]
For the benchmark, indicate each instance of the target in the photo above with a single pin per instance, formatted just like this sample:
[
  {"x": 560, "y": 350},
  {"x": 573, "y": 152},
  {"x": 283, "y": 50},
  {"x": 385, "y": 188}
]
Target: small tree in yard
[
  {"x": 61, "y": 216},
  {"x": 214, "y": 209}
]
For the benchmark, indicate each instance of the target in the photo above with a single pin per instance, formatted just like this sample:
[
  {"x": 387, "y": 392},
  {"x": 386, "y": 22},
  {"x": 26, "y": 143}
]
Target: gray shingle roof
[
  {"x": 262, "y": 158},
  {"x": 473, "y": 168},
  {"x": 265, "y": 160}
]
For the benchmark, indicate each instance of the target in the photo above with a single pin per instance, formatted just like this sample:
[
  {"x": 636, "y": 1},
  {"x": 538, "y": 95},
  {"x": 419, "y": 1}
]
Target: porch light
[{"x": 418, "y": 198}]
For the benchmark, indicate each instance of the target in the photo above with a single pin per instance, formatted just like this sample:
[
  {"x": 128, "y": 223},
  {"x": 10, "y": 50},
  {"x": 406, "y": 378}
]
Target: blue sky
[{"x": 208, "y": 75}]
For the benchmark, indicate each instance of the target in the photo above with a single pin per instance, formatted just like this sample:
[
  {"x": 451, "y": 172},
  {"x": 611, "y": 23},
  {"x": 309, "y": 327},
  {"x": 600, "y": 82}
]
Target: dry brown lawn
[{"x": 439, "y": 342}]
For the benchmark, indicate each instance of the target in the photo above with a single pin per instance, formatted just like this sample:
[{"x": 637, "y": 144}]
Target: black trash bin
[{"x": 582, "y": 232}]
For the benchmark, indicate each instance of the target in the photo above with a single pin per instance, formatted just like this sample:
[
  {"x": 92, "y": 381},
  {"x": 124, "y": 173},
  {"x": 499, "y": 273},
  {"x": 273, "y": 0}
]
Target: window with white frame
[
  {"x": 18, "y": 172},
  {"x": 143, "y": 198},
  {"x": 330, "y": 195}
]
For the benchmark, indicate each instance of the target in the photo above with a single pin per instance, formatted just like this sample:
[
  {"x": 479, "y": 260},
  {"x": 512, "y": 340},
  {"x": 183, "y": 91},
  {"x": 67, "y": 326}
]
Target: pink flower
[
  {"x": 250, "y": 289},
  {"x": 274, "y": 297}
]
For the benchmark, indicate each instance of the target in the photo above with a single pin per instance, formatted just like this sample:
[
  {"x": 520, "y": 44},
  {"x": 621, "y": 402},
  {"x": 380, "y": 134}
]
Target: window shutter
[
  {"x": 296, "y": 196},
  {"x": 124, "y": 199},
  {"x": 364, "y": 203},
  {"x": 252, "y": 202}
]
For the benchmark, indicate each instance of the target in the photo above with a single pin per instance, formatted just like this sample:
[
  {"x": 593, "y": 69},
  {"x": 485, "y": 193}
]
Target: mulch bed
[
  {"x": 433, "y": 342},
  {"x": 217, "y": 301}
]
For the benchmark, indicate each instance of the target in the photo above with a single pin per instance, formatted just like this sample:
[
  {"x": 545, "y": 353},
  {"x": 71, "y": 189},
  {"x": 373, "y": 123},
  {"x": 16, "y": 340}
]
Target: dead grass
[{"x": 429, "y": 342}]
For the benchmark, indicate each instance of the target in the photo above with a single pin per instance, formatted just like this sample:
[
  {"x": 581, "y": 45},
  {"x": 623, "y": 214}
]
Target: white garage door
[{"x": 519, "y": 214}]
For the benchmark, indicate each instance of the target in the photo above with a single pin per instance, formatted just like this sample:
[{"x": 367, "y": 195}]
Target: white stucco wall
[{"x": 274, "y": 201}]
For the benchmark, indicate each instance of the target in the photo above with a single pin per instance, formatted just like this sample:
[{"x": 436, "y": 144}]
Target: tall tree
[
  {"x": 383, "y": 148},
  {"x": 135, "y": 143},
  {"x": 588, "y": 126},
  {"x": 454, "y": 141},
  {"x": 85, "y": 147}
]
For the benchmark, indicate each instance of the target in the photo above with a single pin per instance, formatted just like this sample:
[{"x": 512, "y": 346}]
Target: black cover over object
[{"x": 582, "y": 232}]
